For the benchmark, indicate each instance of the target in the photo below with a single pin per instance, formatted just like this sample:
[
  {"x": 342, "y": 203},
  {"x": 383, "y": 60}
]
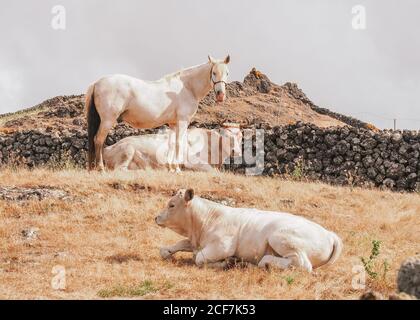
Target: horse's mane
[{"x": 182, "y": 71}]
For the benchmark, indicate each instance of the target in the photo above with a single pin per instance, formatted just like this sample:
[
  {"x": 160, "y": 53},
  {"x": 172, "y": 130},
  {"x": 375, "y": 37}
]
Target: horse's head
[{"x": 218, "y": 76}]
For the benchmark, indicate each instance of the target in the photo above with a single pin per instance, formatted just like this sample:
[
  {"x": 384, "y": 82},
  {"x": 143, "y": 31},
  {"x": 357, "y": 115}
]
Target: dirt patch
[
  {"x": 129, "y": 187},
  {"x": 222, "y": 200},
  {"x": 34, "y": 193},
  {"x": 123, "y": 257}
]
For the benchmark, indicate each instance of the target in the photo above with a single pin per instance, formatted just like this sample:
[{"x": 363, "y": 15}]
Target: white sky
[{"x": 372, "y": 74}]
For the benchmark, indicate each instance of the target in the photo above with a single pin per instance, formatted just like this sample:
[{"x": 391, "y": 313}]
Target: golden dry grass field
[{"x": 106, "y": 239}]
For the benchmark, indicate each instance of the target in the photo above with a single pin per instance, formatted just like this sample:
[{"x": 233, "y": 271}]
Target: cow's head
[
  {"x": 232, "y": 142},
  {"x": 173, "y": 216}
]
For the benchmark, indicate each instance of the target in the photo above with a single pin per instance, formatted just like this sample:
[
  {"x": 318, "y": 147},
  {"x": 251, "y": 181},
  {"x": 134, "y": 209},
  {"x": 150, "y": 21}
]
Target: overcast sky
[{"x": 372, "y": 74}]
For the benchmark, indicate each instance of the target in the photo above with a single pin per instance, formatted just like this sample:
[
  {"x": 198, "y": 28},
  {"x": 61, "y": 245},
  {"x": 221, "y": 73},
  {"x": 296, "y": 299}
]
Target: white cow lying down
[
  {"x": 217, "y": 233},
  {"x": 206, "y": 149}
]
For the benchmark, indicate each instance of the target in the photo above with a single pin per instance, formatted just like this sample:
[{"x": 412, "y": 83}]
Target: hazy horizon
[{"x": 371, "y": 74}]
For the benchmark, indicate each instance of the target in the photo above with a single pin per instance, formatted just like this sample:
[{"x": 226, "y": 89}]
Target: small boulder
[
  {"x": 371, "y": 295},
  {"x": 409, "y": 276},
  {"x": 30, "y": 233}
]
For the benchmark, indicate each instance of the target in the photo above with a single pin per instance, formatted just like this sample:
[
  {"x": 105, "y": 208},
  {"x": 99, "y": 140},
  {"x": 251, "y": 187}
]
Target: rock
[
  {"x": 371, "y": 172},
  {"x": 379, "y": 178},
  {"x": 412, "y": 176},
  {"x": 331, "y": 140},
  {"x": 389, "y": 183},
  {"x": 30, "y": 233},
  {"x": 78, "y": 122},
  {"x": 408, "y": 278},
  {"x": 48, "y": 142},
  {"x": 401, "y": 296},
  {"x": 338, "y": 160},
  {"x": 35, "y": 193},
  {"x": 368, "y": 161},
  {"x": 259, "y": 81},
  {"x": 78, "y": 143},
  {"x": 371, "y": 295},
  {"x": 369, "y": 143},
  {"x": 395, "y": 171},
  {"x": 396, "y": 137}
]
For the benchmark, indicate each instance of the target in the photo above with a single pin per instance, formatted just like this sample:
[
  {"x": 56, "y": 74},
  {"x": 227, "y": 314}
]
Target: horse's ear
[
  {"x": 227, "y": 59},
  {"x": 211, "y": 59}
]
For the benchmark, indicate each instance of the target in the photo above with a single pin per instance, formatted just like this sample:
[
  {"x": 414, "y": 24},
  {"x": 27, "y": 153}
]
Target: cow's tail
[
  {"x": 93, "y": 123},
  {"x": 337, "y": 248}
]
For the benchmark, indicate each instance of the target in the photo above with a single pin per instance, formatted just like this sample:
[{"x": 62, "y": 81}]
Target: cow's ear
[{"x": 189, "y": 195}]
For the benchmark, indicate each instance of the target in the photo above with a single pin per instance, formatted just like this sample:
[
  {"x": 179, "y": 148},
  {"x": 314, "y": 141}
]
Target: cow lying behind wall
[{"x": 206, "y": 149}]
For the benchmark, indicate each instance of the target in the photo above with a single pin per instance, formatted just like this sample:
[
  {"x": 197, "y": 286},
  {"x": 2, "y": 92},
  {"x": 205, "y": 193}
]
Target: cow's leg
[
  {"x": 214, "y": 256},
  {"x": 180, "y": 143},
  {"x": 289, "y": 255},
  {"x": 183, "y": 245},
  {"x": 100, "y": 138},
  {"x": 299, "y": 260},
  {"x": 126, "y": 159},
  {"x": 269, "y": 260},
  {"x": 171, "y": 148},
  {"x": 140, "y": 160}
]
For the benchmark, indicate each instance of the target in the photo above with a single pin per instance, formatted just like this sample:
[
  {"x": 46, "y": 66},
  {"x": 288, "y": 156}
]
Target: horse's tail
[
  {"x": 93, "y": 123},
  {"x": 337, "y": 248}
]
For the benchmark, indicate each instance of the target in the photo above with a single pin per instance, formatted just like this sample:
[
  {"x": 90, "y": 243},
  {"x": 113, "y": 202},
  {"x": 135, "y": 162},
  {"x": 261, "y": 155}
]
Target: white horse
[{"x": 172, "y": 100}]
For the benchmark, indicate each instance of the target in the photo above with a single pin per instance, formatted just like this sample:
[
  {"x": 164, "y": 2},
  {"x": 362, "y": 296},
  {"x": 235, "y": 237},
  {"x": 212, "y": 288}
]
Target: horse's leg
[
  {"x": 180, "y": 144},
  {"x": 100, "y": 138}
]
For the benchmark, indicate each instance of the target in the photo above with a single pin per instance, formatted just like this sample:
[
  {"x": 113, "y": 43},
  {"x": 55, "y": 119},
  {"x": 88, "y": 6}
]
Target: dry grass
[{"x": 107, "y": 240}]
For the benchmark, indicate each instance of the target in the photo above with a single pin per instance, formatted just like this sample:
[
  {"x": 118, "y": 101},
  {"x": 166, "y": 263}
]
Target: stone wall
[
  {"x": 34, "y": 148},
  {"x": 346, "y": 155}
]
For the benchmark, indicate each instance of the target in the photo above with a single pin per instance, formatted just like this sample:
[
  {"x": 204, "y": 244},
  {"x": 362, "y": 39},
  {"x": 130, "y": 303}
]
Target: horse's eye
[
  {"x": 171, "y": 205},
  {"x": 214, "y": 73}
]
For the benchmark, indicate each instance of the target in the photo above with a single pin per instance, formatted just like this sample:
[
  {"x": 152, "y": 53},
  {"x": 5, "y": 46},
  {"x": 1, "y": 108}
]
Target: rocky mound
[{"x": 255, "y": 100}]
